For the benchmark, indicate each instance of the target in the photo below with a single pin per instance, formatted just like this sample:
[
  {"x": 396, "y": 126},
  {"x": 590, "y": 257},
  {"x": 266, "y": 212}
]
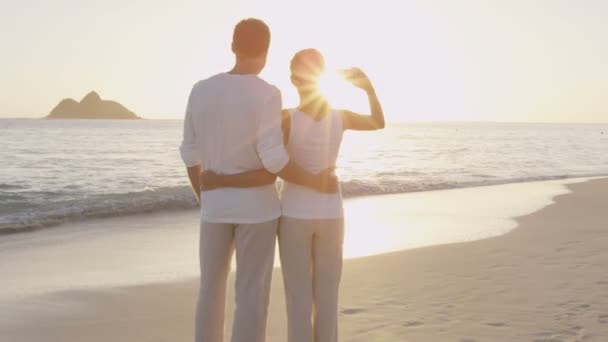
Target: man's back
[{"x": 232, "y": 125}]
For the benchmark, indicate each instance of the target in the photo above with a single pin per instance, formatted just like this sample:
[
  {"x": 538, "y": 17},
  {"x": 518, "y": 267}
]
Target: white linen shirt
[{"x": 233, "y": 125}]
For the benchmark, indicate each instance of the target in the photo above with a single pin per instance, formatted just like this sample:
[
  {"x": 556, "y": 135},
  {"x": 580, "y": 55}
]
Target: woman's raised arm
[{"x": 359, "y": 122}]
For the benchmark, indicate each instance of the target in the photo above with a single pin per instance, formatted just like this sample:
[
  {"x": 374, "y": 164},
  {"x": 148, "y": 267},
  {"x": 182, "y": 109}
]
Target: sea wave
[
  {"x": 98, "y": 206},
  {"x": 4, "y": 186},
  {"x": 181, "y": 198}
]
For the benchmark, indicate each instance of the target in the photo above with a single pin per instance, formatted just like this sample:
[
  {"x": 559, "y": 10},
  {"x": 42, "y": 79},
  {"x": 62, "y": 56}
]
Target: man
[{"x": 233, "y": 125}]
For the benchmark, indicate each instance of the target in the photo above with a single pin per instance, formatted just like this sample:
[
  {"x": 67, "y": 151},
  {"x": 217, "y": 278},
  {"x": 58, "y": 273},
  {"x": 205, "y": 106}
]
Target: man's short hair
[{"x": 251, "y": 38}]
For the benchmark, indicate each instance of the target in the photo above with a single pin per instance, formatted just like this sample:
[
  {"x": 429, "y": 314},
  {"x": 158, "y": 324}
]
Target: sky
[{"x": 435, "y": 60}]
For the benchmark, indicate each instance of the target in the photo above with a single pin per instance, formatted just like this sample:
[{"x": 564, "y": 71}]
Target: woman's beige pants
[{"x": 311, "y": 261}]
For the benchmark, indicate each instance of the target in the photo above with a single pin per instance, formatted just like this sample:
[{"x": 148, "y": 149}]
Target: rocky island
[{"x": 91, "y": 107}]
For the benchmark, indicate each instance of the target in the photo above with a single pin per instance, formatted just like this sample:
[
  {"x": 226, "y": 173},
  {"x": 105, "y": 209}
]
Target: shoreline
[
  {"x": 76, "y": 256},
  {"x": 543, "y": 281},
  {"x": 58, "y": 221}
]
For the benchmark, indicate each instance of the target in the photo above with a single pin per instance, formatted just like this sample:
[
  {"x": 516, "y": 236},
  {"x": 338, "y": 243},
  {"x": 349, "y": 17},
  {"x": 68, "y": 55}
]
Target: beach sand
[{"x": 547, "y": 280}]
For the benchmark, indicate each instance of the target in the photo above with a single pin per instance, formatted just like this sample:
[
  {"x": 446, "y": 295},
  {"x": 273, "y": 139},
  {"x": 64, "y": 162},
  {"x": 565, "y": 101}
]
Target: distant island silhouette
[{"x": 91, "y": 107}]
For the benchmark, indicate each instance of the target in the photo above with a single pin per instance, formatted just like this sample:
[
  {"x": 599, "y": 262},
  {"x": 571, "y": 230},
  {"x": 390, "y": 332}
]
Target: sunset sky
[{"x": 484, "y": 60}]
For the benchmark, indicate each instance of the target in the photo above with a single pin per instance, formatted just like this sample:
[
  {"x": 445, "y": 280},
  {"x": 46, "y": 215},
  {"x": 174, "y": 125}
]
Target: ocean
[{"x": 55, "y": 171}]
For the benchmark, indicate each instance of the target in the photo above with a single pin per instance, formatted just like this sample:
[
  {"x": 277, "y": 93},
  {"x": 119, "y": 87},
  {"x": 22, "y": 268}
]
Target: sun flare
[
  {"x": 332, "y": 86},
  {"x": 341, "y": 94}
]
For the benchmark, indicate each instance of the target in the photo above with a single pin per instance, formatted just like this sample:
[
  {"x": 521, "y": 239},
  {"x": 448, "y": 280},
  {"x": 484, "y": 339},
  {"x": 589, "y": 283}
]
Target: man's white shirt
[{"x": 233, "y": 125}]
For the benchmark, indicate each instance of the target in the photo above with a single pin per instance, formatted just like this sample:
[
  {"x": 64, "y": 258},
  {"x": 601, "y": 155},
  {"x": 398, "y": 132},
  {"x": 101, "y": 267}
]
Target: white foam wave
[{"x": 176, "y": 198}]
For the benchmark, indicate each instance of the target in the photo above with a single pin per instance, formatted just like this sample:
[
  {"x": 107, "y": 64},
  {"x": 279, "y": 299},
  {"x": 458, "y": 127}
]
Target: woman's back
[{"x": 314, "y": 145}]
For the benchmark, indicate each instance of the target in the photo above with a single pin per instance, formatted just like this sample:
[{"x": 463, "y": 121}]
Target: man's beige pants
[
  {"x": 255, "y": 249},
  {"x": 311, "y": 260}
]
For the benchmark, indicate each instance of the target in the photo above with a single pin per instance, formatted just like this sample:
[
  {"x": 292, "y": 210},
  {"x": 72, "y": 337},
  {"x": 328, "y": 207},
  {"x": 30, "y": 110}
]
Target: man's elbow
[
  {"x": 191, "y": 163},
  {"x": 277, "y": 168},
  {"x": 189, "y": 155},
  {"x": 275, "y": 159}
]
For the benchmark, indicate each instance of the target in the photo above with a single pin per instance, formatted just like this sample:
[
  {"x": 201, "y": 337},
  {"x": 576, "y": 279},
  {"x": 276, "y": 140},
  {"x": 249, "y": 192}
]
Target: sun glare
[
  {"x": 330, "y": 84},
  {"x": 340, "y": 93}
]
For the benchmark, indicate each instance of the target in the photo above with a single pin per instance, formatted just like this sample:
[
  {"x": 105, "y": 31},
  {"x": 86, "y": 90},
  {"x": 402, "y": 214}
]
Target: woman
[{"x": 311, "y": 229}]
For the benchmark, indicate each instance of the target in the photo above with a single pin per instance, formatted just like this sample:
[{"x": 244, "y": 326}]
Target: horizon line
[{"x": 391, "y": 121}]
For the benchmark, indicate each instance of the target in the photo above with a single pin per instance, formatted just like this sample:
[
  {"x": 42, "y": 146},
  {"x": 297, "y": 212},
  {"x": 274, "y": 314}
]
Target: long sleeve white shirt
[{"x": 233, "y": 125}]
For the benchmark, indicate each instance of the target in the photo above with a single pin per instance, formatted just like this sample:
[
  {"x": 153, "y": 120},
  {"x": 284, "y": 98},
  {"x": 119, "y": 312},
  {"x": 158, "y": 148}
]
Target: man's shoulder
[
  {"x": 266, "y": 87},
  {"x": 258, "y": 82},
  {"x": 208, "y": 81},
  {"x": 263, "y": 90},
  {"x": 253, "y": 87}
]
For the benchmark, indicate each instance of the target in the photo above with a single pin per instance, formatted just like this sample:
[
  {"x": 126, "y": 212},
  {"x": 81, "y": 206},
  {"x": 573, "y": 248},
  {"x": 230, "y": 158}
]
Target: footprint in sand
[
  {"x": 602, "y": 318},
  {"x": 410, "y": 324},
  {"x": 352, "y": 311},
  {"x": 575, "y": 333},
  {"x": 496, "y": 324}
]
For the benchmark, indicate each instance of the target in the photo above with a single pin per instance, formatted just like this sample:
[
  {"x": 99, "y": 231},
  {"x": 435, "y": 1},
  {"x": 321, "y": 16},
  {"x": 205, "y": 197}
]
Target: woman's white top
[{"x": 313, "y": 145}]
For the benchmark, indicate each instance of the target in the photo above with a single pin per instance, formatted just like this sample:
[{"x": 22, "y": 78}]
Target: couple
[{"x": 237, "y": 140}]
